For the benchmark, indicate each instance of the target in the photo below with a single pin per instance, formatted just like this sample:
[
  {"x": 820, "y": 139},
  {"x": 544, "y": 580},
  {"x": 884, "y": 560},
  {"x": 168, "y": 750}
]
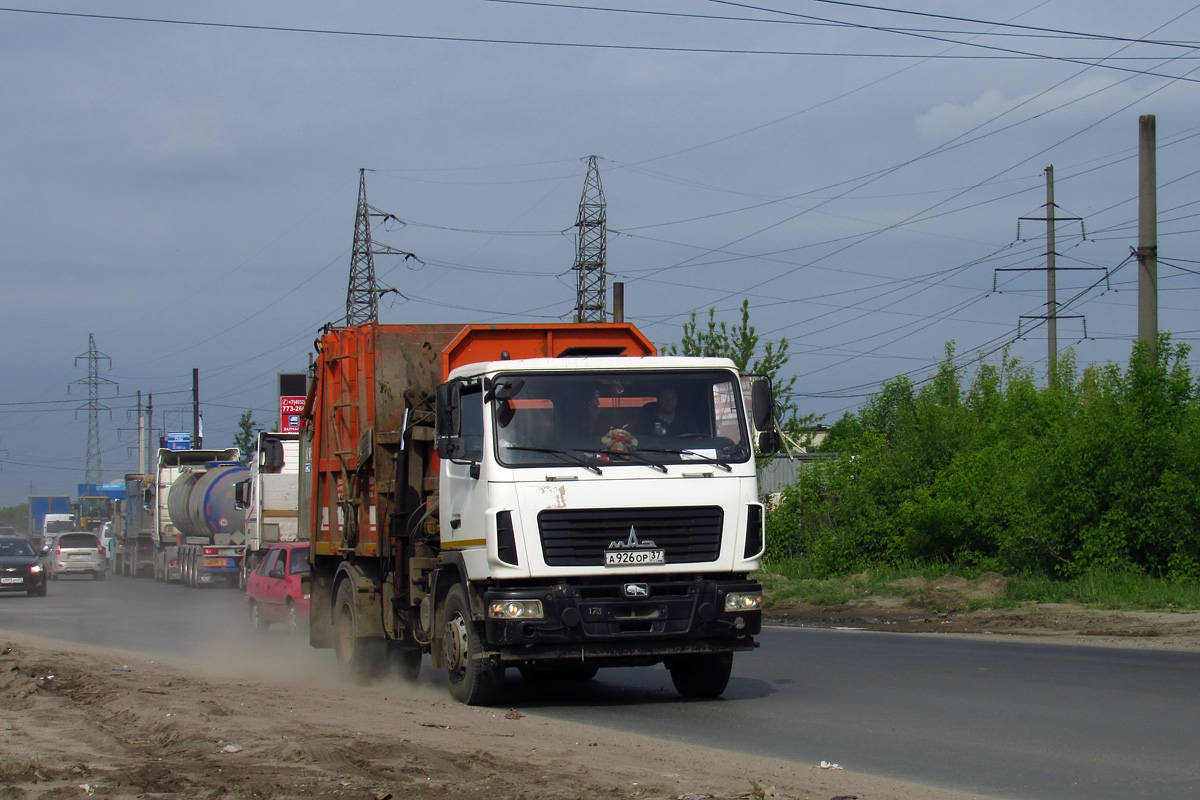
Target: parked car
[
  {"x": 273, "y": 592},
  {"x": 21, "y": 569},
  {"x": 76, "y": 553}
]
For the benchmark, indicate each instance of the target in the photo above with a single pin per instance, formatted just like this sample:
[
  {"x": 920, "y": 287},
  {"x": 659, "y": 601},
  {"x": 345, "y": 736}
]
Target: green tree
[
  {"x": 16, "y": 516},
  {"x": 742, "y": 344},
  {"x": 246, "y": 438}
]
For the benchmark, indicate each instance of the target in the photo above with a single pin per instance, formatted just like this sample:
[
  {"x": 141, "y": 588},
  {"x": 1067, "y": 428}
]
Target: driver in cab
[{"x": 658, "y": 417}]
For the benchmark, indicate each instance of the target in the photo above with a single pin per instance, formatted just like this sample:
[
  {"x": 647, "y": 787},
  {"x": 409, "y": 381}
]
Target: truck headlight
[
  {"x": 516, "y": 609},
  {"x": 743, "y": 601}
]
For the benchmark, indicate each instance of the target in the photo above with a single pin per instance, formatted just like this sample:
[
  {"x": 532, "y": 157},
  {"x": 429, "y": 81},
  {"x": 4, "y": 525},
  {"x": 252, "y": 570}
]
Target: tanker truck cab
[{"x": 603, "y": 511}]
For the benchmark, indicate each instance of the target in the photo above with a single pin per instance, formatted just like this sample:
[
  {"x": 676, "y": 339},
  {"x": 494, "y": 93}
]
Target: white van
[{"x": 56, "y": 523}]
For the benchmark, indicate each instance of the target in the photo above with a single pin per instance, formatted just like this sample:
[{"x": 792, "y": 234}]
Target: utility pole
[
  {"x": 1051, "y": 317},
  {"x": 1147, "y": 250},
  {"x": 590, "y": 253},
  {"x": 141, "y": 434},
  {"x": 362, "y": 296},
  {"x": 196, "y": 443},
  {"x": 150, "y": 446},
  {"x": 92, "y": 470},
  {"x": 1051, "y": 283}
]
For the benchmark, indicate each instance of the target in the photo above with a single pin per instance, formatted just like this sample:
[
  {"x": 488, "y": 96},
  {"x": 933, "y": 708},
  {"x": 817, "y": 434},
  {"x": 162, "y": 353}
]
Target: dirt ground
[{"x": 80, "y": 722}]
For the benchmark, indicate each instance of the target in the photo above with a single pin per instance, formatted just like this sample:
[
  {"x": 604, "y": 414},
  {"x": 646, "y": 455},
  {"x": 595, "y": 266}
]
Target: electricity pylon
[
  {"x": 92, "y": 471},
  {"x": 590, "y": 253},
  {"x": 362, "y": 296}
]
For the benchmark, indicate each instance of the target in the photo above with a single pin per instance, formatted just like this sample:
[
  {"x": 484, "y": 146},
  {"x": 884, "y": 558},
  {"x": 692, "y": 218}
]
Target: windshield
[
  {"x": 15, "y": 547},
  {"x": 616, "y": 419},
  {"x": 95, "y": 507},
  {"x": 78, "y": 540}
]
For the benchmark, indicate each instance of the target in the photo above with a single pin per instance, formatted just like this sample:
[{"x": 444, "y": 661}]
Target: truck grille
[{"x": 579, "y": 537}]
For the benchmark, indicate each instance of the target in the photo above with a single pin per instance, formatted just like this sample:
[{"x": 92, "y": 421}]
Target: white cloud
[{"x": 947, "y": 120}]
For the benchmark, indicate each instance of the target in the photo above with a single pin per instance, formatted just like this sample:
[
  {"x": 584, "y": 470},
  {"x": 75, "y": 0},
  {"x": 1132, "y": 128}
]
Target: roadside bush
[{"x": 1099, "y": 471}]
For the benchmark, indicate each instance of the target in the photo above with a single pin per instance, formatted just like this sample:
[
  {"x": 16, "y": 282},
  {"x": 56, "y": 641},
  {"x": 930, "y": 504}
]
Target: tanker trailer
[{"x": 211, "y": 528}]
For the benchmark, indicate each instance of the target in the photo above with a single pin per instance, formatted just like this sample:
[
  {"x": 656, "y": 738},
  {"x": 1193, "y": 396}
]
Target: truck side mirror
[
  {"x": 448, "y": 415},
  {"x": 763, "y": 401},
  {"x": 271, "y": 453},
  {"x": 768, "y": 442},
  {"x": 763, "y": 405},
  {"x": 240, "y": 501}
]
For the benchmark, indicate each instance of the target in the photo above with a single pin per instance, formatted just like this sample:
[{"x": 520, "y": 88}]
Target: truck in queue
[
  {"x": 42, "y": 506},
  {"x": 550, "y": 499},
  {"x": 198, "y": 530},
  {"x": 133, "y": 531},
  {"x": 268, "y": 496}
]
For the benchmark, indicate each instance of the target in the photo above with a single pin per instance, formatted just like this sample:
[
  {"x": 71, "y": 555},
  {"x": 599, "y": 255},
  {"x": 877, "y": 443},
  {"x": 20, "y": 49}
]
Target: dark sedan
[{"x": 21, "y": 569}]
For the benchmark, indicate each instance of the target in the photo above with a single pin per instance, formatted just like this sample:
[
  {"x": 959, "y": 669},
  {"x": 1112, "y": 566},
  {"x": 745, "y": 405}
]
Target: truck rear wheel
[
  {"x": 473, "y": 681},
  {"x": 360, "y": 659},
  {"x": 704, "y": 675}
]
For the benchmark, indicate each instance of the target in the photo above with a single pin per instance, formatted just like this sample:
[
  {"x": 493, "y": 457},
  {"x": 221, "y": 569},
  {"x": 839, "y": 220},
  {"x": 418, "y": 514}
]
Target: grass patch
[
  {"x": 794, "y": 581},
  {"x": 1127, "y": 591}
]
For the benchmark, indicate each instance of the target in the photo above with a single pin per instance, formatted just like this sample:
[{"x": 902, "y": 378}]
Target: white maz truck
[{"x": 554, "y": 499}]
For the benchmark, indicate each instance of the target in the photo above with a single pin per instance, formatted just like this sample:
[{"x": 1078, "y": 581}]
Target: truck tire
[
  {"x": 701, "y": 676},
  {"x": 361, "y": 659},
  {"x": 473, "y": 681}
]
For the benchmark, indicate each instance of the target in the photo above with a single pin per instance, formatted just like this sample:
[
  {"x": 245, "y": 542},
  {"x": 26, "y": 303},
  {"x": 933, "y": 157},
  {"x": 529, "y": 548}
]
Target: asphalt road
[{"x": 1001, "y": 718}]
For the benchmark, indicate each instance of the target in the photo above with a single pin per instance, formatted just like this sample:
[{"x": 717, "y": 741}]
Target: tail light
[{"x": 210, "y": 551}]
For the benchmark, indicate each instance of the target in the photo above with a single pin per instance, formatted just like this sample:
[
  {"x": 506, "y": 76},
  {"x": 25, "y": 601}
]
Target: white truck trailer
[
  {"x": 198, "y": 531},
  {"x": 268, "y": 495}
]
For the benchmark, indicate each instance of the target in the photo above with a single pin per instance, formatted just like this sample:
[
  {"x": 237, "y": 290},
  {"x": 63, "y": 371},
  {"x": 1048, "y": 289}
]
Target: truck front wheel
[
  {"x": 361, "y": 659},
  {"x": 473, "y": 681},
  {"x": 704, "y": 675}
]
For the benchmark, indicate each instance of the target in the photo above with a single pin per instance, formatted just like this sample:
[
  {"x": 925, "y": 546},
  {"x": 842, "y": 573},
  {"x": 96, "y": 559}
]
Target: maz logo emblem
[
  {"x": 636, "y": 589},
  {"x": 631, "y": 543}
]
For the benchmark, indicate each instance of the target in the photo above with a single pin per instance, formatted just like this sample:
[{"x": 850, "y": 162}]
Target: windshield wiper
[
  {"x": 685, "y": 452},
  {"x": 563, "y": 453},
  {"x": 632, "y": 454}
]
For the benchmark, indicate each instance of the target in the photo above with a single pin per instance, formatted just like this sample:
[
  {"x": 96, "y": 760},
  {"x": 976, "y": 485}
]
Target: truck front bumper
[{"x": 633, "y": 621}]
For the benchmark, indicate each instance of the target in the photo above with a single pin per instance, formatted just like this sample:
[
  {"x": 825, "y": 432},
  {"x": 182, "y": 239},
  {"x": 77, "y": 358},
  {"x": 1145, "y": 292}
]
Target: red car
[{"x": 273, "y": 591}]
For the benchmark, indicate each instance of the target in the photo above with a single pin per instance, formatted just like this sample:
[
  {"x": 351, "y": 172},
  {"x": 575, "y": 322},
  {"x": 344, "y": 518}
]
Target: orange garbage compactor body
[{"x": 373, "y": 381}]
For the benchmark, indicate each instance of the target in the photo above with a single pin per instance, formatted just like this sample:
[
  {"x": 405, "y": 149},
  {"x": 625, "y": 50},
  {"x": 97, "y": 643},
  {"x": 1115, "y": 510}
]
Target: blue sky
[{"x": 180, "y": 180}]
